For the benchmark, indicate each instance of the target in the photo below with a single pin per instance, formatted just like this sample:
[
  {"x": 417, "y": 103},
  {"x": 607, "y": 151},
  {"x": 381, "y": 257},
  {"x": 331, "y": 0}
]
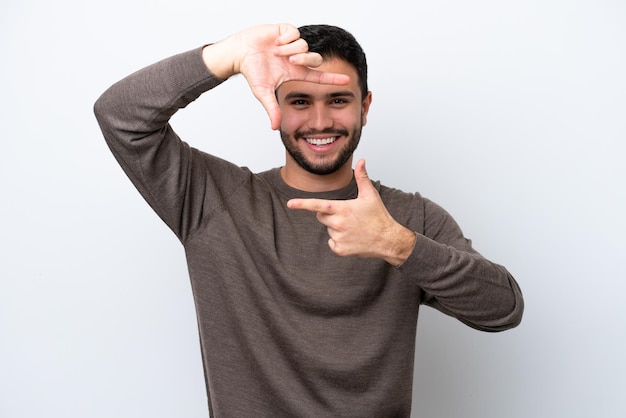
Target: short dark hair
[{"x": 334, "y": 42}]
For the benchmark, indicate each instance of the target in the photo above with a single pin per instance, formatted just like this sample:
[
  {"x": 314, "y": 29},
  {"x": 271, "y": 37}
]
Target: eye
[
  {"x": 299, "y": 103},
  {"x": 339, "y": 101}
]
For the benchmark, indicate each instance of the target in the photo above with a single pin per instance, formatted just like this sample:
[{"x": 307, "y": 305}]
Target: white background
[{"x": 510, "y": 114}]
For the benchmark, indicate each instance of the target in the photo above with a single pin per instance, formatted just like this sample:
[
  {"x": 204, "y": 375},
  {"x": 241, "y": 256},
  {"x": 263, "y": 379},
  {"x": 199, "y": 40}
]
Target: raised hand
[
  {"x": 361, "y": 227},
  {"x": 267, "y": 56}
]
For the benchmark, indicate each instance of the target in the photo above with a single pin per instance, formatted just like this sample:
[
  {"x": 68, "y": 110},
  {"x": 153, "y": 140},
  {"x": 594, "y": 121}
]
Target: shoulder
[
  {"x": 220, "y": 169},
  {"x": 408, "y": 208},
  {"x": 394, "y": 197},
  {"x": 418, "y": 212}
]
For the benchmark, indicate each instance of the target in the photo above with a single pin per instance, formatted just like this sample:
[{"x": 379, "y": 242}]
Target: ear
[{"x": 365, "y": 107}]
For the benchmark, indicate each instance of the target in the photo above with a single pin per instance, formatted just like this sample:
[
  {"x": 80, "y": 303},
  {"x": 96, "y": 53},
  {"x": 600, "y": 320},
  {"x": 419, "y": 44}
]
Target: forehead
[{"x": 334, "y": 65}]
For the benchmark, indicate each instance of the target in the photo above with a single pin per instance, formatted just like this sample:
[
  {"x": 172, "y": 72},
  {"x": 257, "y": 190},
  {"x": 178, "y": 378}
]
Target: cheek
[
  {"x": 291, "y": 121},
  {"x": 354, "y": 118}
]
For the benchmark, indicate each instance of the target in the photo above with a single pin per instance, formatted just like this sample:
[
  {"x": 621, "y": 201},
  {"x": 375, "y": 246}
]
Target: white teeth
[{"x": 318, "y": 141}]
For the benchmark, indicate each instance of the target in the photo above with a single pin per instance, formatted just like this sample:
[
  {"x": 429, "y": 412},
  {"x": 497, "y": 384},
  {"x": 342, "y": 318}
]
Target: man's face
[{"x": 321, "y": 124}]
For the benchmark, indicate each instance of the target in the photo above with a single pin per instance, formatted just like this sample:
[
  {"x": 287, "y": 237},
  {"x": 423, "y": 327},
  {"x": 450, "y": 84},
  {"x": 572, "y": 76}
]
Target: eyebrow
[{"x": 299, "y": 95}]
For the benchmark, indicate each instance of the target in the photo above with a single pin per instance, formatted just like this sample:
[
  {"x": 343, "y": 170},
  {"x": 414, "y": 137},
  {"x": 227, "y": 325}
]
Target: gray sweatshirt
[{"x": 288, "y": 328}]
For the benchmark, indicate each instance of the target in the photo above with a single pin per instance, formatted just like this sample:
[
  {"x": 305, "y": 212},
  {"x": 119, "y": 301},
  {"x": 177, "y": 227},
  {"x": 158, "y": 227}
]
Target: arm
[
  {"x": 459, "y": 281},
  {"x": 134, "y": 117},
  {"x": 134, "y": 113}
]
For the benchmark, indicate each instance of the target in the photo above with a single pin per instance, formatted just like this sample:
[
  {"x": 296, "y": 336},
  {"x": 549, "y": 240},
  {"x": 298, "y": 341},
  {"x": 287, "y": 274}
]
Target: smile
[{"x": 321, "y": 141}]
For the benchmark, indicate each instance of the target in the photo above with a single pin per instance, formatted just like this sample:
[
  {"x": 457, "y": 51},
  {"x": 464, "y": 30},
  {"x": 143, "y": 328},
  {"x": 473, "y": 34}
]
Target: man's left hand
[{"x": 361, "y": 227}]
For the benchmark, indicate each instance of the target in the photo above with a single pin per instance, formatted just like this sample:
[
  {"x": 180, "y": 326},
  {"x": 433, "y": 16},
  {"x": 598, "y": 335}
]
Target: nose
[{"x": 320, "y": 117}]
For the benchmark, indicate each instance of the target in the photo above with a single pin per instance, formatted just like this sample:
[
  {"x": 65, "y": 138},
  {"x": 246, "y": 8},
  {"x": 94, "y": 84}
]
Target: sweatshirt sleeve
[
  {"x": 134, "y": 115},
  {"x": 459, "y": 281}
]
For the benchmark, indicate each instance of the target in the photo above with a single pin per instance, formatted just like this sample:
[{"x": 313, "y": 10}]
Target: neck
[{"x": 301, "y": 179}]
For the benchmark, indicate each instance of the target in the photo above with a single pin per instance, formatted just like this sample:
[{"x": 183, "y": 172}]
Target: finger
[
  {"x": 312, "y": 205},
  {"x": 306, "y": 59},
  {"x": 299, "y": 46},
  {"x": 275, "y": 116},
  {"x": 313, "y": 60},
  {"x": 363, "y": 182},
  {"x": 319, "y": 77},
  {"x": 298, "y": 54},
  {"x": 286, "y": 34}
]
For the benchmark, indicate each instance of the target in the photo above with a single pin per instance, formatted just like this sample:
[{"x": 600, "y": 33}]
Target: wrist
[
  {"x": 218, "y": 58},
  {"x": 401, "y": 246}
]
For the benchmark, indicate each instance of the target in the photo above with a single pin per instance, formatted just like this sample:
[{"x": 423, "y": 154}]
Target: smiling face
[{"x": 321, "y": 124}]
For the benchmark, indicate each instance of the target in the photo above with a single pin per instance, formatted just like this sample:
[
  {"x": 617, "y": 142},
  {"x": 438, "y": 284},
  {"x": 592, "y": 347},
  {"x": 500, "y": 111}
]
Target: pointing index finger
[{"x": 312, "y": 205}]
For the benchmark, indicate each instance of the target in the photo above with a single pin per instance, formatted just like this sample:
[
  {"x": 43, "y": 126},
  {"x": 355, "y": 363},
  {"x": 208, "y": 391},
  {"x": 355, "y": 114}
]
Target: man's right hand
[{"x": 267, "y": 56}]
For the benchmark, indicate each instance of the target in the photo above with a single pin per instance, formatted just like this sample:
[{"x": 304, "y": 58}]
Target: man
[{"x": 307, "y": 278}]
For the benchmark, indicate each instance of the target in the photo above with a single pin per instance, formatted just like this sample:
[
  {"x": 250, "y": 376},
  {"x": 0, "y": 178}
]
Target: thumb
[
  {"x": 268, "y": 101},
  {"x": 363, "y": 182},
  {"x": 274, "y": 115}
]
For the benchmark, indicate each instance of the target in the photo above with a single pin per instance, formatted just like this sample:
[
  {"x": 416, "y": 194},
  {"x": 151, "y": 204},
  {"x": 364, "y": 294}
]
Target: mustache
[{"x": 313, "y": 132}]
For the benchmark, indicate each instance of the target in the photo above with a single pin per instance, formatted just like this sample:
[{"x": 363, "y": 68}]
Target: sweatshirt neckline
[{"x": 275, "y": 178}]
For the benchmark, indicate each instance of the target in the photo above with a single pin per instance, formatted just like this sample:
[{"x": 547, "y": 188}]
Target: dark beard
[{"x": 325, "y": 167}]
